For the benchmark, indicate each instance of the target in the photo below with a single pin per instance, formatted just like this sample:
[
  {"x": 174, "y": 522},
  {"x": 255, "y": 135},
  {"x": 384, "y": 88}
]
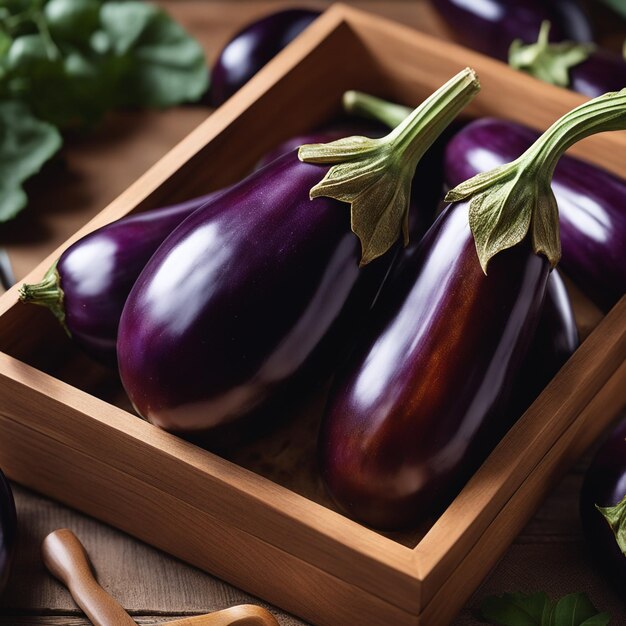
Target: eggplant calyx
[
  {"x": 374, "y": 175},
  {"x": 549, "y": 62},
  {"x": 47, "y": 293},
  {"x": 514, "y": 200},
  {"x": 616, "y": 518}
]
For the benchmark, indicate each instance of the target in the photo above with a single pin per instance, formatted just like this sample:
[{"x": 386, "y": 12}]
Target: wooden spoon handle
[
  {"x": 242, "y": 615},
  {"x": 66, "y": 559}
]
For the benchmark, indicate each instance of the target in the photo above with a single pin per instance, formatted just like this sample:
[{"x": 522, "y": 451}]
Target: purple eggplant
[
  {"x": 237, "y": 301},
  {"x": 8, "y": 530},
  {"x": 251, "y": 48},
  {"x": 242, "y": 301},
  {"x": 87, "y": 287},
  {"x": 420, "y": 402},
  {"x": 555, "y": 340},
  {"x": 605, "y": 486},
  {"x": 491, "y": 26},
  {"x": 601, "y": 72},
  {"x": 582, "y": 67},
  {"x": 411, "y": 411},
  {"x": 591, "y": 204}
]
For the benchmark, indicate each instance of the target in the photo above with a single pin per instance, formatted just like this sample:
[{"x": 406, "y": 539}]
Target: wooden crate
[{"x": 261, "y": 519}]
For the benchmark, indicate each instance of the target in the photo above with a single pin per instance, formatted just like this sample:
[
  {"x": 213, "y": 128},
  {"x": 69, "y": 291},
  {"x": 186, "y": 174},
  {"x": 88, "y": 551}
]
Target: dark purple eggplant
[
  {"x": 8, "y": 530},
  {"x": 237, "y": 300},
  {"x": 251, "y": 48},
  {"x": 491, "y": 26},
  {"x": 603, "y": 71},
  {"x": 420, "y": 402},
  {"x": 582, "y": 67},
  {"x": 87, "y": 287},
  {"x": 239, "y": 303},
  {"x": 417, "y": 400},
  {"x": 555, "y": 340},
  {"x": 605, "y": 486},
  {"x": 591, "y": 204}
]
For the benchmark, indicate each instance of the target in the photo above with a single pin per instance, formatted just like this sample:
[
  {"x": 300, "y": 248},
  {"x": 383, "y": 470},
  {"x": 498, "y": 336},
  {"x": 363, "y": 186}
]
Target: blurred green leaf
[
  {"x": 26, "y": 143},
  {"x": 165, "y": 65},
  {"x": 518, "y": 609}
]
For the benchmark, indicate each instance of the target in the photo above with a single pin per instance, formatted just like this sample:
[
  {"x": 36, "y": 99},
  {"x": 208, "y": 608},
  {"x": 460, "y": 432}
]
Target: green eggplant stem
[
  {"x": 513, "y": 200},
  {"x": 47, "y": 293},
  {"x": 374, "y": 175}
]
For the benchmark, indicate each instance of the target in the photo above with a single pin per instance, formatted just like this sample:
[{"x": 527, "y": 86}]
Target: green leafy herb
[
  {"x": 164, "y": 66},
  {"x": 616, "y": 518},
  {"x": 550, "y": 62},
  {"x": 517, "y": 609},
  {"x": 26, "y": 143},
  {"x": 70, "y": 61},
  {"x": 374, "y": 175}
]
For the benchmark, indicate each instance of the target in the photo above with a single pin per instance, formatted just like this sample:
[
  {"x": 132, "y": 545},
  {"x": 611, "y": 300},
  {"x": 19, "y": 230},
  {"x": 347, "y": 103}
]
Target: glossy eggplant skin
[
  {"x": 602, "y": 72},
  {"x": 414, "y": 409},
  {"x": 490, "y": 26},
  {"x": 97, "y": 273},
  {"x": 251, "y": 48},
  {"x": 591, "y": 204},
  {"x": 555, "y": 340},
  {"x": 605, "y": 485},
  {"x": 8, "y": 530},
  {"x": 238, "y": 302}
]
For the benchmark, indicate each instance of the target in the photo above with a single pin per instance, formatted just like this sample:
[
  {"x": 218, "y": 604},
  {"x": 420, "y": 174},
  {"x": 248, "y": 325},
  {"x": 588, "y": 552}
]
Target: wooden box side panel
[
  {"x": 221, "y": 490},
  {"x": 551, "y": 415},
  {"x": 187, "y": 532},
  {"x": 459, "y": 585}
]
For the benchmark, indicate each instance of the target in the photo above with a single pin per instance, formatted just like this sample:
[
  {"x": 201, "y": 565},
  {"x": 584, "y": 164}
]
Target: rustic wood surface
[{"x": 549, "y": 555}]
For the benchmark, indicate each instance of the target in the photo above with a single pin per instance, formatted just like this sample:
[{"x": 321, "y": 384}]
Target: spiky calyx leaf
[
  {"x": 513, "y": 200},
  {"x": 374, "y": 175},
  {"x": 549, "y": 62},
  {"x": 616, "y": 518}
]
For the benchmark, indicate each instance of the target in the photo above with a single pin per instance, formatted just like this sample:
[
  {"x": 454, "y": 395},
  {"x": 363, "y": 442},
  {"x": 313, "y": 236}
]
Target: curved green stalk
[
  {"x": 510, "y": 201},
  {"x": 47, "y": 293},
  {"x": 549, "y": 62},
  {"x": 616, "y": 518},
  {"x": 365, "y": 105},
  {"x": 374, "y": 175}
]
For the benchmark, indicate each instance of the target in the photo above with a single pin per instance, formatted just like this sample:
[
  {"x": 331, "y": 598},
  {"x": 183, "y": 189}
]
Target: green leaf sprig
[
  {"x": 374, "y": 175},
  {"x": 518, "y": 609},
  {"x": 65, "y": 63},
  {"x": 549, "y": 62}
]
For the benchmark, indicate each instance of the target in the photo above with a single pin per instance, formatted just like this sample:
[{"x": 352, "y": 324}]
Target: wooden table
[{"x": 550, "y": 554}]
